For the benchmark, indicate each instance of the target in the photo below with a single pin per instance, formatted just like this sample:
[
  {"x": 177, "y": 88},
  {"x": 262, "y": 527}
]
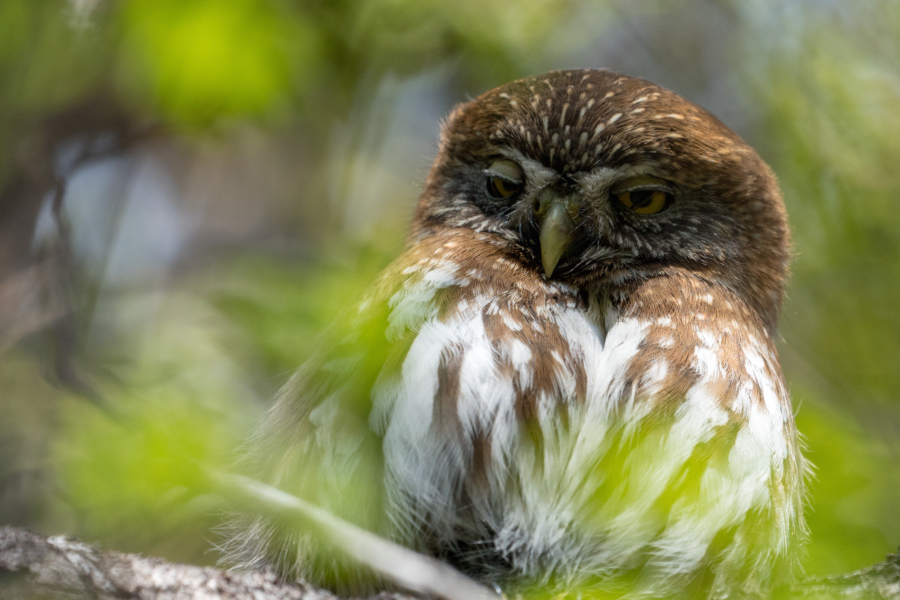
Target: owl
[{"x": 568, "y": 381}]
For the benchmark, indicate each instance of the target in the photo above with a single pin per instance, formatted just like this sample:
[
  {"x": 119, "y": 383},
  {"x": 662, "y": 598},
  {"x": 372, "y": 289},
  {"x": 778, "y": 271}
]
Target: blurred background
[{"x": 190, "y": 190}]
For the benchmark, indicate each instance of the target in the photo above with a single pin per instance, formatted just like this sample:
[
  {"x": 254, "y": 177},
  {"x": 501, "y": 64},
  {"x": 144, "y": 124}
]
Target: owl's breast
[
  {"x": 532, "y": 431},
  {"x": 485, "y": 361}
]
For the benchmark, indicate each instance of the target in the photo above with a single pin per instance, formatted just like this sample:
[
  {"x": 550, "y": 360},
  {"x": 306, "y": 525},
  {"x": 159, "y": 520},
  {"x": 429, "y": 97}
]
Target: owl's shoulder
[{"x": 702, "y": 333}]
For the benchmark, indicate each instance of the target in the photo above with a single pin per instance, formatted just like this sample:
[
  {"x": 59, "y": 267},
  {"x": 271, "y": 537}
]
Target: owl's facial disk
[
  {"x": 573, "y": 217},
  {"x": 593, "y": 177}
]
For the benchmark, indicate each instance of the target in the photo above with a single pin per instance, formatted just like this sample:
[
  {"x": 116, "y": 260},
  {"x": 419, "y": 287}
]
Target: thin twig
[{"x": 405, "y": 568}]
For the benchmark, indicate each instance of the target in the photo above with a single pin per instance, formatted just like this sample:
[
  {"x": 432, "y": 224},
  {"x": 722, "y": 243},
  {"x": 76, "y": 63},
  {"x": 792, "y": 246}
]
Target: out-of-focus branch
[
  {"x": 37, "y": 288},
  {"x": 97, "y": 121},
  {"x": 402, "y": 566},
  {"x": 22, "y": 310}
]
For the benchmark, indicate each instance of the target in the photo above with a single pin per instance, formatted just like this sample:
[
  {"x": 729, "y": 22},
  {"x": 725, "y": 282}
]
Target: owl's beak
[{"x": 556, "y": 234}]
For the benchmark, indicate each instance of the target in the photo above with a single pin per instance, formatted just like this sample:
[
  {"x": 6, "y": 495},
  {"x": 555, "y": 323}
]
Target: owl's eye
[
  {"x": 646, "y": 202},
  {"x": 504, "y": 178},
  {"x": 643, "y": 194},
  {"x": 501, "y": 188}
]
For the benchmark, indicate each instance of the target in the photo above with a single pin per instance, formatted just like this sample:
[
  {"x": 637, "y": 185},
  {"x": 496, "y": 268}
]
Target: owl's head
[{"x": 591, "y": 176}]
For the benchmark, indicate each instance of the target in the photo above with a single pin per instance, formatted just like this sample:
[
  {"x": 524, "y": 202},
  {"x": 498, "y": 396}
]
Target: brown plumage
[{"x": 569, "y": 378}]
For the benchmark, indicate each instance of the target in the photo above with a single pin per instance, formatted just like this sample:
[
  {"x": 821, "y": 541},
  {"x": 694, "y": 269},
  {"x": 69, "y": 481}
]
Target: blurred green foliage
[
  {"x": 283, "y": 307},
  {"x": 200, "y": 60},
  {"x": 833, "y": 137},
  {"x": 187, "y": 362}
]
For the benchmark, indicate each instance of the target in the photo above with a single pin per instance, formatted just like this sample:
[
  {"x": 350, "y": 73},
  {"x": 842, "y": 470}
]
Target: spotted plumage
[{"x": 569, "y": 378}]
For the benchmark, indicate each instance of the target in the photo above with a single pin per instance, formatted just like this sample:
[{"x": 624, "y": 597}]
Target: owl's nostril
[{"x": 536, "y": 206}]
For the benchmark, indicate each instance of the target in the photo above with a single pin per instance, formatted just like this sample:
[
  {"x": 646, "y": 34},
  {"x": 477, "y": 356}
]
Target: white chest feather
[{"x": 548, "y": 436}]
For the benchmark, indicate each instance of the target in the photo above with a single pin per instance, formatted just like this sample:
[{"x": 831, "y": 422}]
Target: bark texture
[{"x": 32, "y": 567}]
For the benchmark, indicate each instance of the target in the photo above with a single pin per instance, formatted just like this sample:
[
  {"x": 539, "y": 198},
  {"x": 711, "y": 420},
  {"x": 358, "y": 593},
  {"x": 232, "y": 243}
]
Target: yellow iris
[
  {"x": 647, "y": 202},
  {"x": 501, "y": 188}
]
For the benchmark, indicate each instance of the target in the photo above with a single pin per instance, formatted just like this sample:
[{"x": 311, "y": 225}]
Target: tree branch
[
  {"x": 61, "y": 567},
  {"x": 67, "y": 568},
  {"x": 878, "y": 582}
]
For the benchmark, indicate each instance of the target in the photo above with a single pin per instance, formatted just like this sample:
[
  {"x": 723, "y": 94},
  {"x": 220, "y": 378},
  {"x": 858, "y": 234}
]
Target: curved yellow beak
[{"x": 557, "y": 229}]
